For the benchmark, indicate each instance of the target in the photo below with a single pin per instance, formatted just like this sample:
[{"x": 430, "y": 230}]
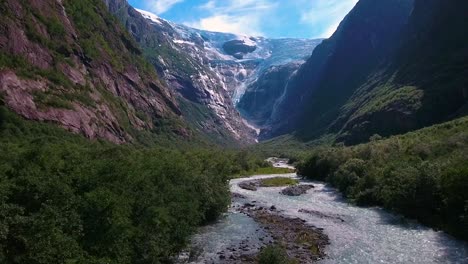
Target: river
[{"x": 357, "y": 234}]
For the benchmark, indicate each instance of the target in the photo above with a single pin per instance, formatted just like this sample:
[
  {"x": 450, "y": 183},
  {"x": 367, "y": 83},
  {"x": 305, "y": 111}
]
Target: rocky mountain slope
[
  {"x": 71, "y": 63},
  {"x": 204, "y": 102}
]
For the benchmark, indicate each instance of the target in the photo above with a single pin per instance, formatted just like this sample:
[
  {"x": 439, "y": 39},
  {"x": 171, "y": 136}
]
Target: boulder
[{"x": 296, "y": 190}]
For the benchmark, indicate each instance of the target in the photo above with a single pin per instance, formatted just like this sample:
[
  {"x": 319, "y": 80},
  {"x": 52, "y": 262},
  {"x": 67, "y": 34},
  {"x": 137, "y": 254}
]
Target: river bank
[{"x": 355, "y": 234}]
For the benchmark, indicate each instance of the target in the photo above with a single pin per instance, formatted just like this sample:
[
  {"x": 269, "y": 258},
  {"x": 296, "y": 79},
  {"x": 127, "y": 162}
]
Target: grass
[
  {"x": 275, "y": 255},
  {"x": 263, "y": 171},
  {"x": 278, "y": 182}
]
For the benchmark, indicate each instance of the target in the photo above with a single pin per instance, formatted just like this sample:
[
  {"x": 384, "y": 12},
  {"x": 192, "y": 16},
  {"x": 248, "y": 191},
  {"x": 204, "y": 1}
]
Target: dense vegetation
[
  {"x": 65, "y": 199},
  {"x": 423, "y": 174},
  {"x": 278, "y": 182},
  {"x": 274, "y": 255}
]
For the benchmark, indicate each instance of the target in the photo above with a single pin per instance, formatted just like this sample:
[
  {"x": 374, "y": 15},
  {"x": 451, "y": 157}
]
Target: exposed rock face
[
  {"x": 48, "y": 75},
  {"x": 80, "y": 119},
  {"x": 238, "y": 48}
]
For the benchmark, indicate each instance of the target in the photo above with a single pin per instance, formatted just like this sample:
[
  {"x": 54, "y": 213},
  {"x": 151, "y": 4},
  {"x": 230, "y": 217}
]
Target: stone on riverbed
[
  {"x": 296, "y": 190},
  {"x": 249, "y": 185}
]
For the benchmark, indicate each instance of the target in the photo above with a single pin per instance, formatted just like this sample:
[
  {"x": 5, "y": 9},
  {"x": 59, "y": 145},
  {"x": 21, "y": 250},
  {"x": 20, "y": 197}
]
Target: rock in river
[{"x": 297, "y": 190}]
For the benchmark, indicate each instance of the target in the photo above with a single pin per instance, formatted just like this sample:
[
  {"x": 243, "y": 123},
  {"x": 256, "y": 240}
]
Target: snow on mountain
[
  {"x": 148, "y": 15},
  {"x": 230, "y": 61}
]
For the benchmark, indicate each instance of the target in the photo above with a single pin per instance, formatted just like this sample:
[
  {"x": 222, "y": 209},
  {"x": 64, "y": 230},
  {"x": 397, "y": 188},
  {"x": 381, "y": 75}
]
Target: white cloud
[
  {"x": 242, "y": 17},
  {"x": 326, "y": 15},
  {"x": 208, "y": 5},
  {"x": 242, "y": 25},
  {"x": 161, "y": 6}
]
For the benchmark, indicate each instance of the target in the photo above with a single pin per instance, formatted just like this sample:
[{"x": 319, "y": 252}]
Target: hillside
[
  {"x": 72, "y": 64},
  {"x": 425, "y": 82},
  {"x": 365, "y": 39},
  {"x": 385, "y": 71}
]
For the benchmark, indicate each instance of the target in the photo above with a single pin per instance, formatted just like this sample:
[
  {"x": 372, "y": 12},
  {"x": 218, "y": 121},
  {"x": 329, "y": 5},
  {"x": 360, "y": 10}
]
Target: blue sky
[{"x": 269, "y": 18}]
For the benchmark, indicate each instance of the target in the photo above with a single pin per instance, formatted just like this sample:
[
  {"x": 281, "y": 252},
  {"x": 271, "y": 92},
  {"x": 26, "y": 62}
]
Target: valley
[{"x": 128, "y": 138}]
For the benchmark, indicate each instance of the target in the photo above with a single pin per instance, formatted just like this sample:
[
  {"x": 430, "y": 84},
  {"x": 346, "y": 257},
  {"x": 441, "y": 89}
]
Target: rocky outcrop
[
  {"x": 50, "y": 73},
  {"x": 19, "y": 97},
  {"x": 238, "y": 48}
]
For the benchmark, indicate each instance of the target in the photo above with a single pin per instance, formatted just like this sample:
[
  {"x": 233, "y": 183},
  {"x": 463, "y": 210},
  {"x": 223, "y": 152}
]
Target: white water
[{"x": 367, "y": 235}]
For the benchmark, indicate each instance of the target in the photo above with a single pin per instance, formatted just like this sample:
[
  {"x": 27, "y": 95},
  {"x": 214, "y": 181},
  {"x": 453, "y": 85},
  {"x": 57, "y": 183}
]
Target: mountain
[
  {"x": 391, "y": 67},
  {"x": 338, "y": 66},
  {"x": 91, "y": 76},
  {"x": 71, "y": 63},
  {"x": 209, "y": 70}
]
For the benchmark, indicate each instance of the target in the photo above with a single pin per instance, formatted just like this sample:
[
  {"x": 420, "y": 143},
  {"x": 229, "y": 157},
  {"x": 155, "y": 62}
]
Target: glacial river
[{"x": 357, "y": 235}]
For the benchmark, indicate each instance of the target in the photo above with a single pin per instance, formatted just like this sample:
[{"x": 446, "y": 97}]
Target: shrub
[
  {"x": 274, "y": 255},
  {"x": 348, "y": 174}
]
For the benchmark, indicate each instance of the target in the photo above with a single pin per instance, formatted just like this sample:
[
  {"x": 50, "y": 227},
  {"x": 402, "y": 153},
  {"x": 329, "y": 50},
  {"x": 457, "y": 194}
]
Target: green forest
[{"x": 65, "y": 199}]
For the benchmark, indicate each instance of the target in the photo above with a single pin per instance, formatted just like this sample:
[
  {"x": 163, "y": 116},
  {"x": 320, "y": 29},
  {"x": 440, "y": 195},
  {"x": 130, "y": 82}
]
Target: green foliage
[
  {"x": 422, "y": 174},
  {"x": 278, "y": 182},
  {"x": 49, "y": 100},
  {"x": 68, "y": 200},
  {"x": 348, "y": 174},
  {"x": 274, "y": 255},
  {"x": 103, "y": 38},
  {"x": 24, "y": 69},
  {"x": 267, "y": 171}
]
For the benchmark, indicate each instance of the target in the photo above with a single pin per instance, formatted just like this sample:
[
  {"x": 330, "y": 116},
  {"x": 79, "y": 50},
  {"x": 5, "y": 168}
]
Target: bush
[
  {"x": 348, "y": 174},
  {"x": 274, "y": 255}
]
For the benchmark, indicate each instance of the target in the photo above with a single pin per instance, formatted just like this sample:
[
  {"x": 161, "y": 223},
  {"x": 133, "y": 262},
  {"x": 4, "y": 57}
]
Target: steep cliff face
[
  {"x": 391, "y": 67},
  {"x": 71, "y": 63},
  {"x": 426, "y": 81},
  {"x": 338, "y": 67},
  {"x": 263, "y": 95}
]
